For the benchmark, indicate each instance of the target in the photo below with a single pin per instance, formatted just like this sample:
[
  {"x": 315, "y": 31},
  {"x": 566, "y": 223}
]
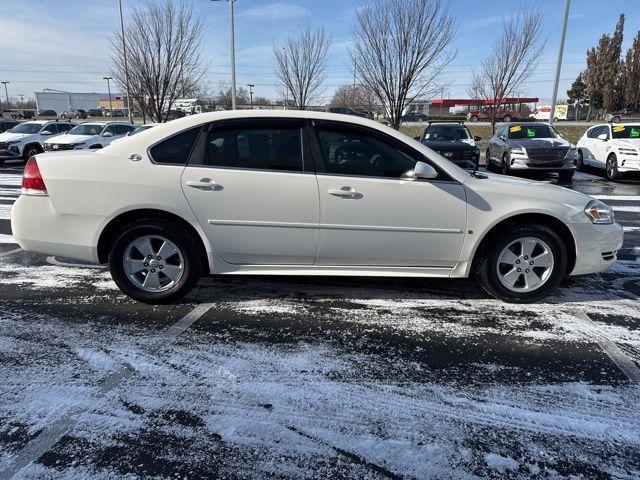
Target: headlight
[
  {"x": 599, "y": 213},
  {"x": 573, "y": 152},
  {"x": 518, "y": 151}
]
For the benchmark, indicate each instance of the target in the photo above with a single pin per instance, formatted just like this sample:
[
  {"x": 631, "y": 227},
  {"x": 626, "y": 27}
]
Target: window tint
[
  {"x": 123, "y": 129},
  {"x": 176, "y": 149},
  {"x": 65, "y": 127},
  {"x": 354, "y": 153},
  {"x": 111, "y": 128},
  {"x": 258, "y": 148}
]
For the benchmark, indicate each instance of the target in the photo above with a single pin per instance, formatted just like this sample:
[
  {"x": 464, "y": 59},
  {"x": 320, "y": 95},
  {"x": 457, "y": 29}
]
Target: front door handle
[
  {"x": 345, "y": 192},
  {"x": 204, "y": 184}
]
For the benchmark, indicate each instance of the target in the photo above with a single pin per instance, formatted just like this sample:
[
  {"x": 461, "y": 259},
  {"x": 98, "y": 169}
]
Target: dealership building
[{"x": 61, "y": 101}]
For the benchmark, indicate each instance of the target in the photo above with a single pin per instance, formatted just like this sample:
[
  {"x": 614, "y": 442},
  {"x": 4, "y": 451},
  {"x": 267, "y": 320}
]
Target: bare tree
[
  {"x": 400, "y": 47},
  {"x": 354, "y": 96},
  {"x": 164, "y": 40},
  {"x": 513, "y": 59},
  {"x": 301, "y": 65},
  {"x": 224, "y": 96}
]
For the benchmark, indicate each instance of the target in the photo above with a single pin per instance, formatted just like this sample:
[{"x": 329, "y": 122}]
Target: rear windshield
[
  {"x": 446, "y": 133},
  {"x": 626, "y": 131},
  {"x": 532, "y": 131}
]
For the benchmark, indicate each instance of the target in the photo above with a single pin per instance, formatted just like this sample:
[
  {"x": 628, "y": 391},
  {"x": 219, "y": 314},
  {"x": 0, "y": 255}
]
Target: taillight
[{"x": 32, "y": 182}]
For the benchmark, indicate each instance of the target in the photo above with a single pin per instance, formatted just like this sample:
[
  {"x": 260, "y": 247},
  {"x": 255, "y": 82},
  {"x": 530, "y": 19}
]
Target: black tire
[
  {"x": 488, "y": 160},
  {"x": 611, "y": 168},
  {"x": 474, "y": 118},
  {"x": 504, "y": 166},
  {"x": 615, "y": 119},
  {"x": 95, "y": 147},
  {"x": 506, "y": 118},
  {"x": 486, "y": 268},
  {"x": 565, "y": 176},
  {"x": 580, "y": 162},
  {"x": 185, "y": 243},
  {"x": 31, "y": 150}
]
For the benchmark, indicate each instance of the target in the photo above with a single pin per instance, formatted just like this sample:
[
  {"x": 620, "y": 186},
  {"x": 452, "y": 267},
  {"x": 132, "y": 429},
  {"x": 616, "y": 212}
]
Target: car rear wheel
[
  {"x": 525, "y": 264},
  {"x": 615, "y": 119},
  {"x": 474, "y": 118},
  {"x": 612, "y": 168},
  {"x": 154, "y": 262},
  {"x": 565, "y": 176},
  {"x": 507, "y": 118}
]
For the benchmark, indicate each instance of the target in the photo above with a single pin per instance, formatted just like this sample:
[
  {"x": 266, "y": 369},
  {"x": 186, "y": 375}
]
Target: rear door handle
[
  {"x": 345, "y": 192},
  {"x": 204, "y": 184}
]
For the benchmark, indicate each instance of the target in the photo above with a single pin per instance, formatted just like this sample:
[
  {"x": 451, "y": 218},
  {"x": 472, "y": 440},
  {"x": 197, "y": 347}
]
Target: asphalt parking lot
[{"x": 292, "y": 377}]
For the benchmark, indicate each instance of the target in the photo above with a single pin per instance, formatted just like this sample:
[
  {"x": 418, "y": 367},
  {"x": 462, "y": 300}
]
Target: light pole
[
  {"x": 109, "y": 90},
  {"x": 554, "y": 98},
  {"x": 6, "y": 93},
  {"x": 126, "y": 68},
  {"x": 251, "y": 85},
  {"x": 233, "y": 53},
  {"x": 286, "y": 87}
]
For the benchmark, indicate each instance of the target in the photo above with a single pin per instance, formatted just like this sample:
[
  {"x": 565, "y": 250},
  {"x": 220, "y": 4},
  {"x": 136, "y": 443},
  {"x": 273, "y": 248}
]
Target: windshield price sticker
[
  {"x": 517, "y": 128},
  {"x": 618, "y": 128}
]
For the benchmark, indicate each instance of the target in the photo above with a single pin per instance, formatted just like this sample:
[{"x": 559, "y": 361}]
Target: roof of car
[
  {"x": 107, "y": 122},
  {"x": 524, "y": 124}
]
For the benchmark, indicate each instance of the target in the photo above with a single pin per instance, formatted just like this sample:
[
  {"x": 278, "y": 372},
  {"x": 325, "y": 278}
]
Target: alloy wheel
[
  {"x": 525, "y": 264},
  {"x": 153, "y": 263}
]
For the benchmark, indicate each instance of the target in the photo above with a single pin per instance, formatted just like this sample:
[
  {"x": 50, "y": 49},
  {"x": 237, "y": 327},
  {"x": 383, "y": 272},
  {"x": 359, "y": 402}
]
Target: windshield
[
  {"x": 532, "y": 131},
  {"x": 446, "y": 133},
  {"x": 141, "y": 128},
  {"x": 626, "y": 131},
  {"x": 86, "y": 129},
  {"x": 27, "y": 128}
]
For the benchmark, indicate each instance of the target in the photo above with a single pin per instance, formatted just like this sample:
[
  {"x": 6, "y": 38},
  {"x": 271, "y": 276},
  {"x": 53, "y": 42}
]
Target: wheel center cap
[{"x": 154, "y": 263}]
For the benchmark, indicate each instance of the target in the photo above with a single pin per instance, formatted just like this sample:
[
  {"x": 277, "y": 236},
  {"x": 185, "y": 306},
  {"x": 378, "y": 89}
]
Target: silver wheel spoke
[
  {"x": 144, "y": 246},
  {"x": 543, "y": 260},
  {"x": 511, "y": 277},
  {"x": 134, "y": 266},
  {"x": 151, "y": 281},
  {"x": 528, "y": 245},
  {"x": 172, "y": 272},
  {"x": 531, "y": 279},
  {"x": 508, "y": 257},
  {"x": 167, "y": 250}
]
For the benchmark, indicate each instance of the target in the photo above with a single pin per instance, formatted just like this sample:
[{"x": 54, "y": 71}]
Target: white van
[{"x": 542, "y": 113}]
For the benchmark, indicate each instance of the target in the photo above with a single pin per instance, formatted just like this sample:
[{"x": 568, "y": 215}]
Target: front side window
[
  {"x": 593, "y": 132},
  {"x": 65, "y": 127},
  {"x": 111, "y": 129},
  {"x": 256, "y": 148},
  {"x": 51, "y": 128},
  {"x": 175, "y": 150},
  {"x": 354, "y": 153}
]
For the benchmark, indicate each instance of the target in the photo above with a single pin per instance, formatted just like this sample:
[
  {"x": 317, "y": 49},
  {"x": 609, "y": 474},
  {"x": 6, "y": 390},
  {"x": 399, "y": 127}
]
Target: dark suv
[{"x": 453, "y": 141}]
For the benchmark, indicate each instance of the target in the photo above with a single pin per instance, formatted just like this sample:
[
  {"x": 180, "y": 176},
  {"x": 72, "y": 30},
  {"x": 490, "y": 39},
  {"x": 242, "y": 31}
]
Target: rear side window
[
  {"x": 175, "y": 150},
  {"x": 278, "y": 148}
]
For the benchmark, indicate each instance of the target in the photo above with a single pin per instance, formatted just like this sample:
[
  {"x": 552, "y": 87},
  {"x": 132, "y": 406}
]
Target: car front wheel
[
  {"x": 524, "y": 265},
  {"x": 612, "y": 168},
  {"x": 154, "y": 262},
  {"x": 505, "y": 165}
]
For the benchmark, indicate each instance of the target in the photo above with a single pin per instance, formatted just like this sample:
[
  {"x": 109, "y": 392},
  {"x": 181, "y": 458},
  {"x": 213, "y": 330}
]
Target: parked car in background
[
  {"x": 414, "y": 117},
  {"x": 7, "y": 125},
  {"x": 349, "y": 111},
  {"x": 88, "y": 136},
  {"x": 302, "y": 193},
  {"x": 623, "y": 115},
  {"x": 46, "y": 113},
  {"x": 502, "y": 115},
  {"x": 95, "y": 112},
  {"x": 518, "y": 147},
  {"x": 26, "y": 139},
  {"x": 175, "y": 114},
  {"x": 115, "y": 113},
  {"x": 543, "y": 113},
  {"x": 454, "y": 142},
  {"x": 613, "y": 147},
  {"x": 74, "y": 113},
  {"x": 135, "y": 131}
]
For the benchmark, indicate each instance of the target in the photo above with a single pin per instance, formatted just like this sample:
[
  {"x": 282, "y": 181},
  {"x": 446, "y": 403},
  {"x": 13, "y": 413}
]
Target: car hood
[
  {"x": 9, "y": 137},
  {"x": 628, "y": 142},
  {"x": 66, "y": 139},
  {"x": 539, "y": 143},
  {"x": 449, "y": 146}
]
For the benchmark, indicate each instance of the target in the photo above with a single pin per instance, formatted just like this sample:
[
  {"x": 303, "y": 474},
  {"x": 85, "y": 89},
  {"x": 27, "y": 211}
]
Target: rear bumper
[
  {"x": 596, "y": 246},
  {"x": 37, "y": 227}
]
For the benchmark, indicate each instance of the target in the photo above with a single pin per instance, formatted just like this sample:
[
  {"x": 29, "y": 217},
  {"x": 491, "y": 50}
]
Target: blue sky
[{"x": 64, "y": 44}]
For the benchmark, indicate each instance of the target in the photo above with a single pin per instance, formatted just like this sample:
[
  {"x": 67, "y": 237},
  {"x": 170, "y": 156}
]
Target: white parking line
[
  {"x": 10, "y": 252},
  {"x": 619, "y": 208},
  {"x": 52, "y": 434},
  {"x": 617, "y": 356},
  {"x": 623, "y": 198},
  {"x": 631, "y": 229}
]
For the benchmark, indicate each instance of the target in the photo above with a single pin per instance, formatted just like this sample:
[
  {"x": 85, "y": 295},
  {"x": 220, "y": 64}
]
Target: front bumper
[
  {"x": 596, "y": 246},
  {"x": 525, "y": 163},
  {"x": 12, "y": 152},
  {"x": 629, "y": 163},
  {"x": 37, "y": 227}
]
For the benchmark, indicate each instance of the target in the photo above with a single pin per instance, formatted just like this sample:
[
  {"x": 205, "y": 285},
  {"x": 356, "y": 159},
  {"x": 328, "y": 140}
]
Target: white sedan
[
  {"x": 302, "y": 193},
  {"x": 613, "y": 147},
  {"x": 89, "y": 136}
]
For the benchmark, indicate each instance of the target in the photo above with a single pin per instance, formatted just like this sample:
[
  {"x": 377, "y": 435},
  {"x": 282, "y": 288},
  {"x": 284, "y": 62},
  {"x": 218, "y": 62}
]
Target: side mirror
[
  {"x": 502, "y": 137},
  {"x": 107, "y": 134},
  {"x": 602, "y": 136},
  {"x": 46, "y": 132},
  {"x": 424, "y": 171},
  {"x": 477, "y": 138}
]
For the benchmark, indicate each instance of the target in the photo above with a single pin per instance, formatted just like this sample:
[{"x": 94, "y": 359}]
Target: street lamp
[
  {"x": 233, "y": 53},
  {"x": 251, "y": 85},
  {"x": 126, "y": 68},
  {"x": 109, "y": 90},
  {"x": 6, "y": 93},
  {"x": 554, "y": 98}
]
